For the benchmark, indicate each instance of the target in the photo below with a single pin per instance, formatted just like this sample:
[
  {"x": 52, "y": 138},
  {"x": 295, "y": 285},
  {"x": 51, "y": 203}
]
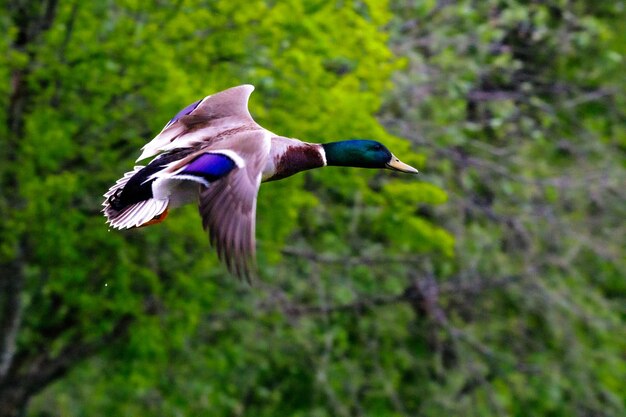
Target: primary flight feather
[{"x": 213, "y": 153}]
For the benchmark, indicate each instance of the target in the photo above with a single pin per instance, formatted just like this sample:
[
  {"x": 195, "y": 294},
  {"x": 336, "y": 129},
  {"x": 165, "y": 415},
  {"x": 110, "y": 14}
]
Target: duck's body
[{"x": 214, "y": 153}]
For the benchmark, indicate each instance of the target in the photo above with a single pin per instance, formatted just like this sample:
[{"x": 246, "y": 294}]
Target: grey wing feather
[
  {"x": 228, "y": 210},
  {"x": 228, "y": 206},
  {"x": 228, "y": 103},
  {"x": 214, "y": 114}
]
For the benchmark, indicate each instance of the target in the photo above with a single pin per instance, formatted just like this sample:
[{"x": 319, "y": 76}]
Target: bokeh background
[{"x": 493, "y": 284}]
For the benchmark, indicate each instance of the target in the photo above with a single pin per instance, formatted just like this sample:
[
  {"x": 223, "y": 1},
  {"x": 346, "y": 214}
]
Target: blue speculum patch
[
  {"x": 184, "y": 112},
  {"x": 210, "y": 166}
]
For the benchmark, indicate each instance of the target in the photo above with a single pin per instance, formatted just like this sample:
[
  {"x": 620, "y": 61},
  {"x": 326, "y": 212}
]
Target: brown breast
[{"x": 296, "y": 158}]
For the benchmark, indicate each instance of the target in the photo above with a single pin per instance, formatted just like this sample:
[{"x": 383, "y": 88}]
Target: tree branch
[
  {"x": 349, "y": 261},
  {"x": 365, "y": 304},
  {"x": 46, "y": 370}
]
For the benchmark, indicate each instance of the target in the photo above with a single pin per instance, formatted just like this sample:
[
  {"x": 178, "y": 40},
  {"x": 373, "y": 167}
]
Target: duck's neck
[
  {"x": 352, "y": 153},
  {"x": 290, "y": 156},
  {"x": 339, "y": 154}
]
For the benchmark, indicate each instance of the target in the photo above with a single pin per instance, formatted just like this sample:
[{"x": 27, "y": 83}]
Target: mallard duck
[{"x": 213, "y": 152}]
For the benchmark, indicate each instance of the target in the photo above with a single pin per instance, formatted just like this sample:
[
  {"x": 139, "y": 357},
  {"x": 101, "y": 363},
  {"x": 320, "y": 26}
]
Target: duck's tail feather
[
  {"x": 133, "y": 215},
  {"x": 136, "y": 215}
]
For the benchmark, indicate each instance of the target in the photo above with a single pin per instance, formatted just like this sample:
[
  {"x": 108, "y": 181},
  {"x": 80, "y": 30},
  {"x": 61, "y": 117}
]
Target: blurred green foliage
[{"x": 491, "y": 285}]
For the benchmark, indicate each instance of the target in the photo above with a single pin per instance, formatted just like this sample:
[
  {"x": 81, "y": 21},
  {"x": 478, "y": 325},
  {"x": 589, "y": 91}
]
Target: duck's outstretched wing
[
  {"x": 204, "y": 121},
  {"x": 228, "y": 206}
]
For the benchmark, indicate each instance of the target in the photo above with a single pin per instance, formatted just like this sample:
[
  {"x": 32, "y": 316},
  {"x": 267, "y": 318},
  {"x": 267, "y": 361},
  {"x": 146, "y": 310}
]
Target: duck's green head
[{"x": 363, "y": 153}]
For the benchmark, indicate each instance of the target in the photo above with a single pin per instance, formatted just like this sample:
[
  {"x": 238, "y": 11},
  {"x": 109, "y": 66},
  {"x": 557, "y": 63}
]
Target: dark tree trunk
[
  {"x": 13, "y": 401},
  {"x": 31, "y": 19}
]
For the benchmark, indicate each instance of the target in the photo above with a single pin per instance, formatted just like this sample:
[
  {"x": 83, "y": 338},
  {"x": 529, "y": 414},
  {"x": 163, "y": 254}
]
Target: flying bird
[{"x": 213, "y": 153}]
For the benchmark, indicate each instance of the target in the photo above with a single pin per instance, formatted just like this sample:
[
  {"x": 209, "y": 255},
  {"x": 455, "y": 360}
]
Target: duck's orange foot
[{"x": 156, "y": 219}]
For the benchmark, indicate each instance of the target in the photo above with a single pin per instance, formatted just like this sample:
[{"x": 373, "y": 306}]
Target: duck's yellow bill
[{"x": 397, "y": 165}]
